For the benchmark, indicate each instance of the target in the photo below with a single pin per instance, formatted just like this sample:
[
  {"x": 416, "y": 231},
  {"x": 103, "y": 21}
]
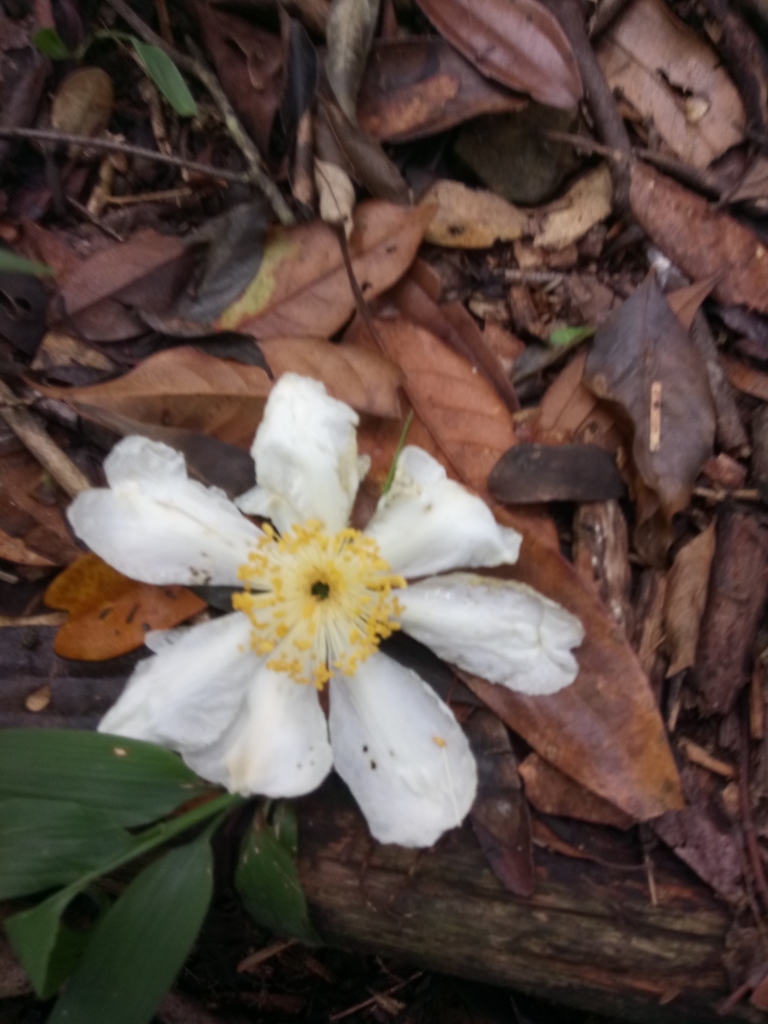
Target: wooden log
[{"x": 588, "y": 937}]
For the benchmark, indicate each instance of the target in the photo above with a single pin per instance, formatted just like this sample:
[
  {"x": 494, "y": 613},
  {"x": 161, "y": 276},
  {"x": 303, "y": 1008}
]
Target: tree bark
[{"x": 589, "y": 936}]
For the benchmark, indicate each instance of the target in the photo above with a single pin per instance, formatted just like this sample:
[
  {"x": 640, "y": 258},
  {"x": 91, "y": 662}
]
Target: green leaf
[
  {"x": 167, "y": 78},
  {"x": 34, "y": 933},
  {"x": 44, "y": 843},
  {"x": 139, "y": 946},
  {"x": 136, "y": 781},
  {"x": 49, "y": 42},
  {"x": 268, "y": 881},
  {"x": 570, "y": 335},
  {"x": 11, "y": 263}
]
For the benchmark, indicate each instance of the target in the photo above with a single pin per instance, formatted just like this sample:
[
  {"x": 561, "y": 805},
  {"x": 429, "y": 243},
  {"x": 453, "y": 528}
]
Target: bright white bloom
[{"x": 237, "y": 697}]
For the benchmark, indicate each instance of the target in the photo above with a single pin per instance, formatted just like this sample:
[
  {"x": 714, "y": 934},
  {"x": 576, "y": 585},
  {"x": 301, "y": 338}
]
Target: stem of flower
[{"x": 400, "y": 446}]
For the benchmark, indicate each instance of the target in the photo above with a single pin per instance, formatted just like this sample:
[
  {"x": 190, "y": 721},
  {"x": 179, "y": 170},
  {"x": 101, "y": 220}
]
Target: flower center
[{"x": 320, "y": 602}]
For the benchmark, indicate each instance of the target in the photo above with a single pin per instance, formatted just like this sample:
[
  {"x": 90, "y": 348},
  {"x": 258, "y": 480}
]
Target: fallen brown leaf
[
  {"x": 421, "y": 85},
  {"x": 552, "y": 792},
  {"x": 185, "y": 388},
  {"x": 499, "y": 815},
  {"x": 521, "y": 45},
  {"x": 674, "y": 79},
  {"x": 469, "y": 218},
  {"x": 110, "y": 614},
  {"x": 460, "y": 408},
  {"x": 302, "y": 287},
  {"x": 605, "y": 730},
  {"x": 685, "y": 599},
  {"x": 33, "y": 530},
  {"x": 702, "y": 241},
  {"x": 643, "y": 361}
]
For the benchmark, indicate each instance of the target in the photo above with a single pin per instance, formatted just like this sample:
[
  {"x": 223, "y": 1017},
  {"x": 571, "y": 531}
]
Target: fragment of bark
[
  {"x": 34, "y": 437},
  {"x": 738, "y": 587},
  {"x": 601, "y": 556},
  {"x": 760, "y": 449},
  {"x": 588, "y": 937},
  {"x": 602, "y": 106},
  {"x": 730, "y": 432}
]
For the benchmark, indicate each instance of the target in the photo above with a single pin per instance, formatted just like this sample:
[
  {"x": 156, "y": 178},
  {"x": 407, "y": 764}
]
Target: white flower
[{"x": 235, "y": 696}]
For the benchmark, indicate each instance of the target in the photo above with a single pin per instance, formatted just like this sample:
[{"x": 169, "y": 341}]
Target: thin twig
[
  {"x": 700, "y": 180},
  {"x": 111, "y": 146},
  {"x": 34, "y": 437},
  {"x": 195, "y": 65},
  {"x": 747, "y": 822}
]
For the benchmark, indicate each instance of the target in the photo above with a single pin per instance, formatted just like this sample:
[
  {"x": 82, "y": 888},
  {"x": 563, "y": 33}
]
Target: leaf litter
[{"x": 621, "y": 457}]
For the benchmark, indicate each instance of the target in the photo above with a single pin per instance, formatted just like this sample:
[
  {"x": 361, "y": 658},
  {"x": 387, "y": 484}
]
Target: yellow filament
[{"x": 320, "y": 602}]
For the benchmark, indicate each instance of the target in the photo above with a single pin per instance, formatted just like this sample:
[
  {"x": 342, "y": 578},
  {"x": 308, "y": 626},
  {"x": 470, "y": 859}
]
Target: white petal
[
  {"x": 306, "y": 452},
  {"x": 401, "y": 752},
  {"x": 155, "y": 525},
  {"x": 187, "y": 696},
  {"x": 279, "y": 745},
  {"x": 261, "y": 502},
  {"x": 428, "y": 523},
  {"x": 503, "y": 631}
]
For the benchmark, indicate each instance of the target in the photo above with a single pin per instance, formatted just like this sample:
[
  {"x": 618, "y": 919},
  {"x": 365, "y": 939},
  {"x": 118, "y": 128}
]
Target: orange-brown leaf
[
  {"x": 460, "y": 408},
  {"x": 302, "y": 287},
  {"x": 605, "y": 729},
  {"x": 110, "y": 614}
]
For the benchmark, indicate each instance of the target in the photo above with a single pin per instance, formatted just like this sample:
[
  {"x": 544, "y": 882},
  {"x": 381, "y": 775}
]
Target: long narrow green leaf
[
  {"x": 141, "y": 943},
  {"x": 44, "y": 843},
  {"x": 12, "y": 263},
  {"x": 267, "y": 879},
  {"x": 167, "y": 78},
  {"x": 137, "y": 782},
  {"x": 34, "y": 933}
]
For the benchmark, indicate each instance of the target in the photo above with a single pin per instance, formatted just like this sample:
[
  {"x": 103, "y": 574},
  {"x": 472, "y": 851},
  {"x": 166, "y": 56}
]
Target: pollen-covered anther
[{"x": 322, "y": 602}]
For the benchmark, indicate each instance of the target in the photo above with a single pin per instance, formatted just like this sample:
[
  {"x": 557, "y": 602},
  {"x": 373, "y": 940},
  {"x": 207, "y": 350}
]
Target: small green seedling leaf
[
  {"x": 49, "y": 42},
  {"x": 46, "y": 843},
  {"x": 166, "y": 77},
  {"x": 570, "y": 335},
  {"x": 137, "y": 782},
  {"x": 398, "y": 450},
  {"x": 267, "y": 879},
  {"x": 11, "y": 263},
  {"x": 140, "y": 945}
]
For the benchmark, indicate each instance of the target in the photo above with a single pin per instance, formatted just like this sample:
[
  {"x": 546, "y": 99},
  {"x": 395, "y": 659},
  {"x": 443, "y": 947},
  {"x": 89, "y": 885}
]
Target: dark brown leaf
[
  {"x": 499, "y": 814},
  {"x": 643, "y": 361},
  {"x": 519, "y": 43},
  {"x": 530, "y": 473},
  {"x": 420, "y": 86}
]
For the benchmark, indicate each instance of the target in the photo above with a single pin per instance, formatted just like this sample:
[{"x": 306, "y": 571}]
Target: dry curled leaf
[
  {"x": 519, "y": 44},
  {"x": 83, "y": 102},
  {"x": 110, "y": 614}
]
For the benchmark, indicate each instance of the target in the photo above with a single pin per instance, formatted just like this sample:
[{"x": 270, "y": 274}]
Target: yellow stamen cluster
[{"x": 320, "y": 602}]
